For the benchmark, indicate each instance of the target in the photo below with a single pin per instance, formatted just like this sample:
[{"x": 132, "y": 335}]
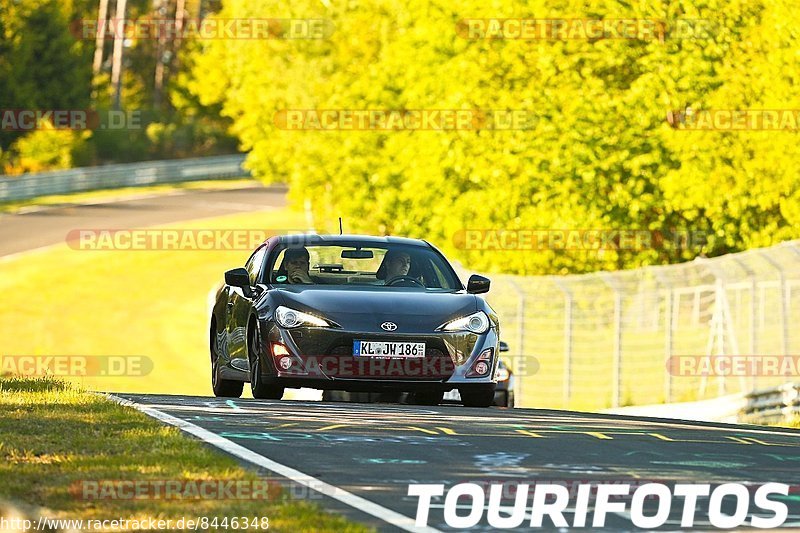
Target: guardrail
[
  {"x": 728, "y": 409},
  {"x": 774, "y": 405},
  {"x": 27, "y": 186},
  {"x": 779, "y": 404}
]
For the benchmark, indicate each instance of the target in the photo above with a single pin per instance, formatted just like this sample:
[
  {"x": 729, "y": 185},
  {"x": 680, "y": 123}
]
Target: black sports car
[{"x": 353, "y": 313}]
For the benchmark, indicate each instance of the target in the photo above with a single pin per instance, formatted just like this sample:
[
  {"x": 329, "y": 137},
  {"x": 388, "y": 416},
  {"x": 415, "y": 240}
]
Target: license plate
[{"x": 388, "y": 349}]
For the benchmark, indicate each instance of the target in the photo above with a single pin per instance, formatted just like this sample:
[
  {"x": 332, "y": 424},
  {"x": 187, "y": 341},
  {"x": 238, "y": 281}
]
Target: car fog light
[
  {"x": 279, "y": 349},
  {"x": 481, "y": 368},
  {"x": 285, "y": 363}
]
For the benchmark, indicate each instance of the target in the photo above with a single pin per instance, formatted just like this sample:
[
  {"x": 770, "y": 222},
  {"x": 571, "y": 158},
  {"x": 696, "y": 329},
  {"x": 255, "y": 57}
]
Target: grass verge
[
  {"x": 53, "y": 436},
  {"x": 137, "y": 303}
]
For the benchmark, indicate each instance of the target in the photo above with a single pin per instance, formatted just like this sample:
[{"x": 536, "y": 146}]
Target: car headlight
[
  {"x": 292, "y": 318},
  {"x": 474, "y": 323}
]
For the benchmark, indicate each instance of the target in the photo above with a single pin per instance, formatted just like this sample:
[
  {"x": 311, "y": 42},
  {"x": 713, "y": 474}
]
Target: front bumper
[
  {"x": 322, "y": 358},
  {"x": 501, "y": 396}
]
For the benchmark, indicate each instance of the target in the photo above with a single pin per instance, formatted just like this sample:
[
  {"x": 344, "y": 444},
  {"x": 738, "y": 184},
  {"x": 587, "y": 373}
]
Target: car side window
[{"x": 253, "y": 265}]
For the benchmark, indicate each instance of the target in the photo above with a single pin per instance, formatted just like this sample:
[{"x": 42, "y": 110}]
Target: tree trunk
[
  {"x": 116, "y": 61},
  {"x": 99, "y": 42}
]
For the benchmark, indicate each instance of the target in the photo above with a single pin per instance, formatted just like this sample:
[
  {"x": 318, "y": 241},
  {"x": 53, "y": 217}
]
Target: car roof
[{"x": 348, "y": 240}]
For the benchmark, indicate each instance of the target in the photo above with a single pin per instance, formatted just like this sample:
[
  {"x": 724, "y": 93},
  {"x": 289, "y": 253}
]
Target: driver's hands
[{"x": 404, "y": 278}]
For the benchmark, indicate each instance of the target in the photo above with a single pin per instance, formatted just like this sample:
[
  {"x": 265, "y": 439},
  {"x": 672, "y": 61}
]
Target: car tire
[
  {"x": 334, "y": 396},
  {"x": 223, "y": 388},
  {"x": 363, "y": 397},
  {"x": 503, "y": 399},
  {"x": 260, "y": 389},
  {"x": 477, "y": 397},
  {"x": 427, "y": 398},
  {"x": 389, "y": 397}
]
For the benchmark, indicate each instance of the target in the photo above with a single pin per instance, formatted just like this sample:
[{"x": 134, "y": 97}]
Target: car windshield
[{"x": 384, "y": 265}]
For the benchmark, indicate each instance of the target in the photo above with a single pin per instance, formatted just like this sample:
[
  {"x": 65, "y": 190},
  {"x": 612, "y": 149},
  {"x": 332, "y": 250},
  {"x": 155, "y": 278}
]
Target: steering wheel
[{"x": 397, "y": 279}]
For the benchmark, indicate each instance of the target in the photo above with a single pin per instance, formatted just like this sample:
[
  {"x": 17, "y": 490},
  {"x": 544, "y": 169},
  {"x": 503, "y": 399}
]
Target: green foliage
[
  {"x": 600, "y": 156},
  {"x": 45, "y": 65},
  {"x": 47, "y": 149},
  {"x": 42, "y": 65}
]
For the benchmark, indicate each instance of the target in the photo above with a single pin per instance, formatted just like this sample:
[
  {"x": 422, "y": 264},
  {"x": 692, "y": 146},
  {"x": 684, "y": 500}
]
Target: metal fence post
[
  {"x": 721, "y": 301},
  {"x": 568, "y": 311},
  {"x": 752, "y": 346},
  {"x": 784, "y": 303},
  {"x": 616, "y": 390},
  {"x": 617, "y": 349},
  {"x": 520, "y": 338},
  {"x": 722, "y": 324},
  {"x": 668, "y": 331}
]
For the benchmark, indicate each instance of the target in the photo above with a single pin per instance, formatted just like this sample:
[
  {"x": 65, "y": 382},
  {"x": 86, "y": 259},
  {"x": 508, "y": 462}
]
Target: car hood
[{"x": 366, "y": 310}]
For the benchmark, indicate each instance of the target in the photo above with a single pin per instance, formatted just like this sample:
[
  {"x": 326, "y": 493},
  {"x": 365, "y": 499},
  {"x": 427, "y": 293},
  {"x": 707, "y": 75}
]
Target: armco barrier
[
  {"x": 27, "y": 186},
  {"x": 775, "y": 405}
]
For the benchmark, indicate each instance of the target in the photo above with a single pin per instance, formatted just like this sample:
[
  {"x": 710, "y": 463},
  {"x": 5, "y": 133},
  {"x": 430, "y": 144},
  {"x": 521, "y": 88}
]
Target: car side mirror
[
  {"x": 238, "y": 277},
  {"x": 503, "y": 347},
  {"x": 477, "y": 284}
]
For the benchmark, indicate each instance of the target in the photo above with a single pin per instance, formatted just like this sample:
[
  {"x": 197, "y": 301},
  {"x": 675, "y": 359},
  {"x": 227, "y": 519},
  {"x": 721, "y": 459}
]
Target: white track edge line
[{"x": 357, "y": 502}]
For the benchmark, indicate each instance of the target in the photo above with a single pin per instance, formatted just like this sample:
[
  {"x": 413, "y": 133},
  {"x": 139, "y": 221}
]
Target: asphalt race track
[
  {"x": 376, "y": 450},
  {"x": 48, "y": 225}
]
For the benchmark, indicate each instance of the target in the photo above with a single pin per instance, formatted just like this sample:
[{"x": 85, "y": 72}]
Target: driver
[
  {"x": 397, "y": 264},
  {"x": 296, "y": 263}
]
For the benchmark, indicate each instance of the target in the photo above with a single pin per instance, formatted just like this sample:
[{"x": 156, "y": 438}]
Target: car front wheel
[
  {"x": 223, "y": 388},
  {"x": 427, "y": 398},
  {"x": 477, "y": 397}
]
